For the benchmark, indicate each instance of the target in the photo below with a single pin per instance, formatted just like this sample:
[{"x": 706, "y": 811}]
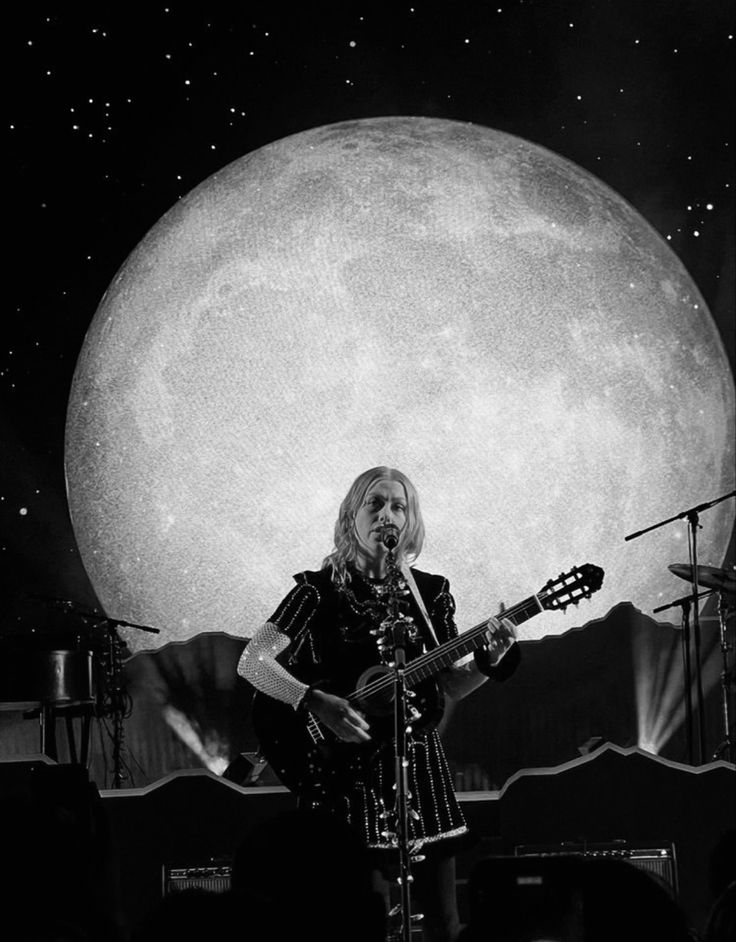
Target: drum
[{"x": 61, "y": 677}]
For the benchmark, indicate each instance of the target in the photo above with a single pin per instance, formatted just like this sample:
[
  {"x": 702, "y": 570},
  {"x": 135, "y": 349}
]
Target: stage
[{"x": 615, "y": 803}]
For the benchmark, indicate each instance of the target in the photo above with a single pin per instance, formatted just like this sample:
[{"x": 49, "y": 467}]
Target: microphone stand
[
  {"x": 684, "y": 604},
  {"x": 116, "y": 701},
  {"x": 398, "y": 628},
  {"x": 692, "y": 517},
  {"x": 693, "y": 523}
]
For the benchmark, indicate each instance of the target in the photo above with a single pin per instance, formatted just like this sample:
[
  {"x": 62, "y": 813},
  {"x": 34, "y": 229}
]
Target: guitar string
[{"x": 377, "y": 686}]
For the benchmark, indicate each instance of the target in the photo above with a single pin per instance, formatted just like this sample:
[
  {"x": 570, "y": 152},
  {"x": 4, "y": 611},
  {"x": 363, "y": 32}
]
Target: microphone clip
[{"x": 389, "y": 535}]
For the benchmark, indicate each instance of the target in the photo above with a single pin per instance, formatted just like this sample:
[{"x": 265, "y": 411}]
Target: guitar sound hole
[{"x": 378, "y": 702}]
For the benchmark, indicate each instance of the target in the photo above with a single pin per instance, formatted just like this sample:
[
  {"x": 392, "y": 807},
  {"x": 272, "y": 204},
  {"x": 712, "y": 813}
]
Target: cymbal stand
[
  {"x": 687, "y": 673},
  {"x": 685, "y": 603},
  {"x": 694, "y": 526},
  {"x": 399, "y": 628},
  {"x": 726, "y": 745}
]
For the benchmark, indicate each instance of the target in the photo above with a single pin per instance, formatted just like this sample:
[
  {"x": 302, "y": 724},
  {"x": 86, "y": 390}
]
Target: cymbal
[{"x": 710, "y": 576}]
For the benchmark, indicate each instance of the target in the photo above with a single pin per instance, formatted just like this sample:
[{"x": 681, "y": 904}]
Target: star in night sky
[{"x": 114, "y": 115}]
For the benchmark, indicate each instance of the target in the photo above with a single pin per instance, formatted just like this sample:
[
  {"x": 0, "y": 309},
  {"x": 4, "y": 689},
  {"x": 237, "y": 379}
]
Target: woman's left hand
[{"x": 500, "y": 635}]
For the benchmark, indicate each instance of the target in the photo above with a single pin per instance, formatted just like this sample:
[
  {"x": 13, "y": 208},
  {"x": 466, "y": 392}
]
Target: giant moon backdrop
[{"x": 428, "y": 294}]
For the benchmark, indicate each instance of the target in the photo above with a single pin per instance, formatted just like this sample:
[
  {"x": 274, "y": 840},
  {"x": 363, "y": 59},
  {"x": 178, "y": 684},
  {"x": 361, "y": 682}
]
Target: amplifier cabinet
[
  {"x": 214, "y": 876},
  {"x": 660, "y": 861}
]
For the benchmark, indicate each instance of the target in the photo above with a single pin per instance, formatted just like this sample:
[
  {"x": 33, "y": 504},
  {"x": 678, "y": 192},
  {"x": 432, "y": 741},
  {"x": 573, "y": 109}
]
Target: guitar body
[
  {"x": 307, "y": 761},
  {"x": 285, "y": 743}
]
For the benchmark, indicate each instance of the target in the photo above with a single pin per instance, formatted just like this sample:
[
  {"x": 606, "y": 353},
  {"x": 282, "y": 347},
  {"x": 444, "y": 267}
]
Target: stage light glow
[
  {"x": 428, "y": 294},
  {"x": 212, "y": 753},
  {"x": 659, "y": 680},
  {"x": 648, "y": 746}
]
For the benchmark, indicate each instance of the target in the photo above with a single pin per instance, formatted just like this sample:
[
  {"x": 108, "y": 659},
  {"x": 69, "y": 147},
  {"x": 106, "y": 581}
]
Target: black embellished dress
[{"x": 331, "y": 642}]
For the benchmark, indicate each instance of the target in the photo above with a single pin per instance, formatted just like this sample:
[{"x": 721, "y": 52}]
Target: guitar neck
[{"x": 428, "y": 664}]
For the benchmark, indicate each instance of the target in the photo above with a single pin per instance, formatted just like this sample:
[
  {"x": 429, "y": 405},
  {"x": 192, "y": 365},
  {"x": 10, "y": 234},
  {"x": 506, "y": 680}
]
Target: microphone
[{"x": 389, "y": 535}]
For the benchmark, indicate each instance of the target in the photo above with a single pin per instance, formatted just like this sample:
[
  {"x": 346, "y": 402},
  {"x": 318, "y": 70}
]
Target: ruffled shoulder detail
[
  {"x": 430, "y": 585},
  {"x": 320, "y": 579}
]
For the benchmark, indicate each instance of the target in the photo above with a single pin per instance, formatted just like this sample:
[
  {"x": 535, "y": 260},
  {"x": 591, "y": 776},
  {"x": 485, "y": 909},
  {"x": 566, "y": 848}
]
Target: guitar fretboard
[{"x": 428, "y": 664}]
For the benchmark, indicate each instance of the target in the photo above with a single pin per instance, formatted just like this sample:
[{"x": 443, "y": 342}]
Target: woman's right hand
[{"x": 337, "y": 715}]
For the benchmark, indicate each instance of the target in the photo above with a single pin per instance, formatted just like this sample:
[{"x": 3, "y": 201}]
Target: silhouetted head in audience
[
  {"x": 191, "y": 915},
  {"x": 722, "y": 863},
  {"x": 312, "y": 873},
  {"x": 56, "y": 866},
  {"x": 571, "y": 898},
  {"x": 721, "y": 926}
]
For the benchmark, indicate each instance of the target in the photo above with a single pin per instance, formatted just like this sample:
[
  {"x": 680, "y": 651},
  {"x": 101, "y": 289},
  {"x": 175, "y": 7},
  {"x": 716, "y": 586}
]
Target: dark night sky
[{"x": 113, "y": 116}]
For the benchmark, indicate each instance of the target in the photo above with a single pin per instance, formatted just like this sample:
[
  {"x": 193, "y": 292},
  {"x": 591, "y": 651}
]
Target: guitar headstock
[{"x": 569, "y": 587}]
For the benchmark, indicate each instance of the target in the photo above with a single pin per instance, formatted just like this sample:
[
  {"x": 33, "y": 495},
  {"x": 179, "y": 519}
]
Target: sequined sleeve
[
  {"x": 259, "y": 665},
  {"x": 294, "y": 615},
  {"x": 289, "y": 625}
]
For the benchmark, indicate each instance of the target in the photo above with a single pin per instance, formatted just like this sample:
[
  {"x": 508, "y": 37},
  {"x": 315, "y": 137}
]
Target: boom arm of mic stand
[
  {"x": 682, "y": 601},
  {"x": 681, "y": 516}
]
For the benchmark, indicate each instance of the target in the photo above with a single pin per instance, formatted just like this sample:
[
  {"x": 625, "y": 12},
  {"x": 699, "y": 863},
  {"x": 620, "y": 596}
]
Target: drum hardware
[
  {"x": 719, "y": 579},
  {"x": 722, "y": 582},
  {"x": 110, "y": 700},
  {"x": 692, "y": 638}
]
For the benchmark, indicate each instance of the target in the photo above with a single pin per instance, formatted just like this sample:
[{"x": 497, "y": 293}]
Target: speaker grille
[{"x": 214, "y": 877}]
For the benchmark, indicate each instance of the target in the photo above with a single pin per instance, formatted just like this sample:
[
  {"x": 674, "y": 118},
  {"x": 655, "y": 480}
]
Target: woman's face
[{"x": 384, "y": 502}]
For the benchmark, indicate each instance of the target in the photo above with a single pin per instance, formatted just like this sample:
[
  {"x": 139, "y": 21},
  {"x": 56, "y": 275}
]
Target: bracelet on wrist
[{"x": 306, "y": 697}]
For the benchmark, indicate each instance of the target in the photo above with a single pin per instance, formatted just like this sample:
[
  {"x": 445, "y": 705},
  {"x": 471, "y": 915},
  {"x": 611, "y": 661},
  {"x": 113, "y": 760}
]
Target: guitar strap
[{"x": 410, "y": 581}]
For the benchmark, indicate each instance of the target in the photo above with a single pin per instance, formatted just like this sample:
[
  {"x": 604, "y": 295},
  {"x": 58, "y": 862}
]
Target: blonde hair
[{"x": 346, "y": 544}]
